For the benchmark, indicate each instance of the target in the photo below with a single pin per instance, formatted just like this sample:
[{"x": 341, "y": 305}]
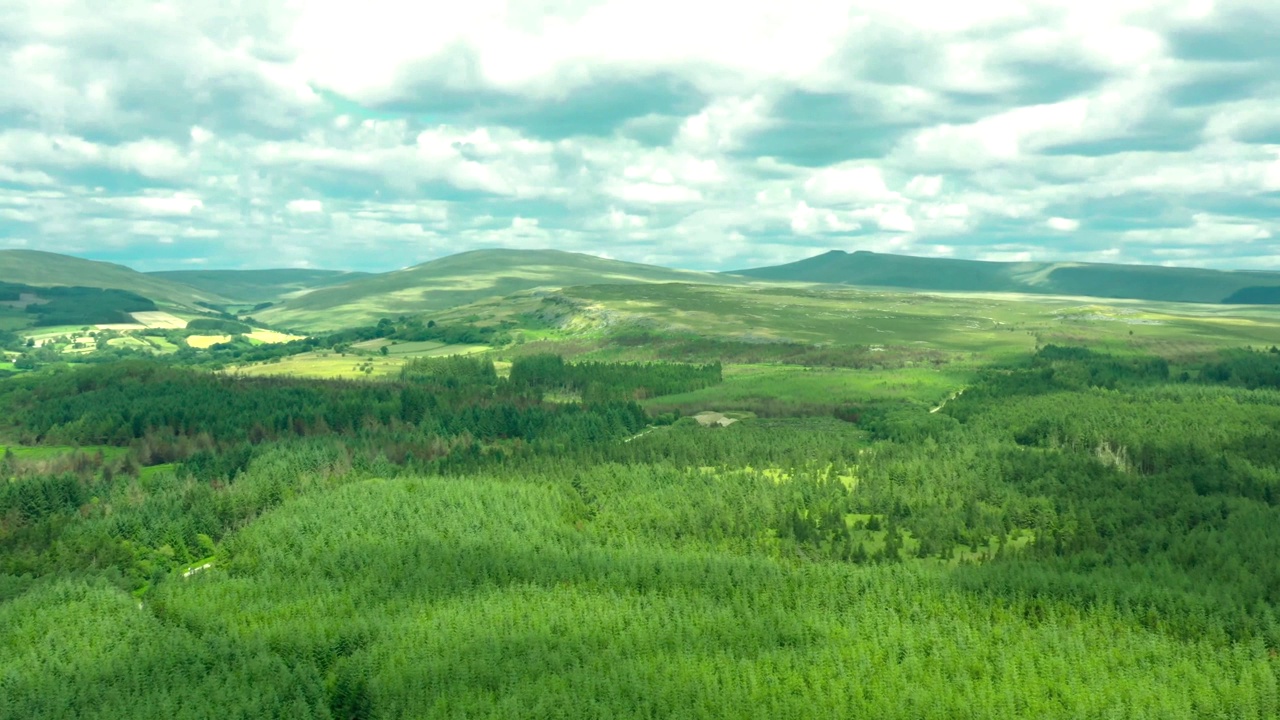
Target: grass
[
  {"x": 46, "y": 452},
  {"x": 250, "y": 287},
  {"x": 324, "y": 365},
  {"x": 151, "y": 471},
  {"x": 1073, "y": 279},
  {"x": 328, "y": 364},
  {"x": 434, "y": 349},
  {"x": 13, "y": 319},
  {"x": 160, "y": 319},
  {"x": 202, "y": 342},
  {"x": 31, "y": 267},
  {"x": 160, "y": 344},
  {"x": 963, "y": 326},
  {"x": 746, "y": 386},
  {"x": 131, "y": 342},
  {"x": 458, "y": 280},
  {"x": 270, "y": 337}
]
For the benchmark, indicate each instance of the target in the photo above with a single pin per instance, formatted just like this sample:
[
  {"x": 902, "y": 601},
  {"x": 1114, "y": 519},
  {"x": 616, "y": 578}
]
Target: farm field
[
  {"x": 202, "y": 342},
  {"x": 271, "y": 336},
  {"x": 130, "y": 342},
  {"x": 161, "y": 320}
]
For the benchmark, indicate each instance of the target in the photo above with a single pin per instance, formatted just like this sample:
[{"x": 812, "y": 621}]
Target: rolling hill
[
  {"x": 1138, "y": 282},
  {"x": 255, "y": 286},
  {"x": 461, "y": 279},
  {"x": 45, "y": 269}
]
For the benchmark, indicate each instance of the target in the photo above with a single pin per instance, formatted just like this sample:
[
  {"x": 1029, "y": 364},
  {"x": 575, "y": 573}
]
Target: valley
[{"x": 538, "y": 484}]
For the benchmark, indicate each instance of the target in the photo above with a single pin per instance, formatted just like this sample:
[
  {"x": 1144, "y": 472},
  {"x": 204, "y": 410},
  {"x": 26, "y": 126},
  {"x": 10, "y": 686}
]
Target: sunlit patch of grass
[
  {"x": 203, "y": 342},
  {"x": 271, "y": 336},
  {"x": 325, "y": 365},
  {"x": 745, "y": 384}
]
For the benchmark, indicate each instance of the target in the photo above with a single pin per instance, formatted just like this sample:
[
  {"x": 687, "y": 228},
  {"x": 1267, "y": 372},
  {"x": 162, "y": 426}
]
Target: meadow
[{"x": 788, "y": 390}]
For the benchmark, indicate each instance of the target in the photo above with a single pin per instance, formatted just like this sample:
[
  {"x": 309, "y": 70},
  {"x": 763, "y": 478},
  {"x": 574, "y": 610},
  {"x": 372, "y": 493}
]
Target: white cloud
[
  {"x": 725, "y": 134},
  {"x": 847, "y": 186},
  {"x": 176, "y": 204},
  {"x": 304, "y": 206},
  {"x": 648, "y": 193},
  {"x": 924, "y": 186}
]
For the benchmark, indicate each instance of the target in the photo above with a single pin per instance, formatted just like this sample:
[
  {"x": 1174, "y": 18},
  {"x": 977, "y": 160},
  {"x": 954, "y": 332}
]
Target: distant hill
[
  {"x": 1139, "y": 282},
  {"x": 1269, "y": 295},
  {"x": 45, "y": 269},
  {"x": 458, "y": 280},
  {"x": 250, "y": 287}
]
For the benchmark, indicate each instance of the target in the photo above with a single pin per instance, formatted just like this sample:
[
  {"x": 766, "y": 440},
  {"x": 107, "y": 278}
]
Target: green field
[
  {"x": 131, "y": 342},
  {"x": 48, "y": 452},
  {"x": 753, "y": 387},
  {"x": 324, "y": 365},
  {"x": 327, "y": 364}
]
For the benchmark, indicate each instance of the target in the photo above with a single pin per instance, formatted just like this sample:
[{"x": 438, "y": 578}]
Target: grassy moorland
[
  {"x": 251, "y": 287},
  {"x": 457, "y": 280},
  {"x": 31, "y": 267}
]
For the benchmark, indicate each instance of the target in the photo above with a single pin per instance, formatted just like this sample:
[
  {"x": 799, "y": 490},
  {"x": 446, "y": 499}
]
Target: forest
[
  {"x": 1077, "y": 534},
  {"x": 50, "y": 306}
]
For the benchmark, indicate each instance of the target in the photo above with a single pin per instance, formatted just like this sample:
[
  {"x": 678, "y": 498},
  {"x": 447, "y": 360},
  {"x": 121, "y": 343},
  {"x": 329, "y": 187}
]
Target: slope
[
  {"x": 1139, "y": 282},
  {"x": 461, "y": 279},
  {"x": 45, "y": 269},
  {"x": 256, "y": 286}
]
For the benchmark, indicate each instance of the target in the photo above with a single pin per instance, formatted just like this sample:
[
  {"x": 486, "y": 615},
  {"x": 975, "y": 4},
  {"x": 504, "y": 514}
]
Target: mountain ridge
[
  {"x": 39, "y": 268},
  {"x": 1101, "y": 280}
]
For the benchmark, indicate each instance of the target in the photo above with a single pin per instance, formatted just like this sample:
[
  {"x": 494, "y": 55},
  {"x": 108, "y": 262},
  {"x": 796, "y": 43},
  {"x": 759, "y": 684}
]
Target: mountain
[
  {"x": 461, "y": 279},
  {"x": 45, "y": 269},
  {"x": 249, "y": 287},
  {"x": 1139, "y": 282}
]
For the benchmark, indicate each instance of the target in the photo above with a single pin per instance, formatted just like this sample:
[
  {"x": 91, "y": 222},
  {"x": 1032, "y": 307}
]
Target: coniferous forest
[{"x": 1075, "y": 535}]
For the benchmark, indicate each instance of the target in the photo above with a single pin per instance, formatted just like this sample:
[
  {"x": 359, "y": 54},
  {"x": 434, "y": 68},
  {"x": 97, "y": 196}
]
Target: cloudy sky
[{"x": 711, "y": 135}]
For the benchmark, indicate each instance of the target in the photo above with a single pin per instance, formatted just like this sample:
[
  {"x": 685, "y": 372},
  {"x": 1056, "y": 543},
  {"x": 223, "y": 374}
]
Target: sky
[{"x": 705, "y": 135}]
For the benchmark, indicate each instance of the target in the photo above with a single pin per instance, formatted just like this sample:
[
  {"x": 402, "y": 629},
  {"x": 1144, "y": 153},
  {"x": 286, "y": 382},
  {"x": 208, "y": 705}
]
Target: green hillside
[
  {"x": 255, "y": 286},
  {"x": 45, "y": 269},
  {"x": 461, "y": 279},
  {"x": 1139, "y": 282}
]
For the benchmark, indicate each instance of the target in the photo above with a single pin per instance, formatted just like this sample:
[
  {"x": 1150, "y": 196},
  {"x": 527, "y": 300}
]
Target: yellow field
[
  {"x": 271, "y": 336},
  {"x": 202, "y": 342}
]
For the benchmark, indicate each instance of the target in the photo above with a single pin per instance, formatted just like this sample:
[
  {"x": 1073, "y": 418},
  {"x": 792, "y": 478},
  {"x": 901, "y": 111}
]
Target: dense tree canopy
[{"x": 1076, "y": 535}]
